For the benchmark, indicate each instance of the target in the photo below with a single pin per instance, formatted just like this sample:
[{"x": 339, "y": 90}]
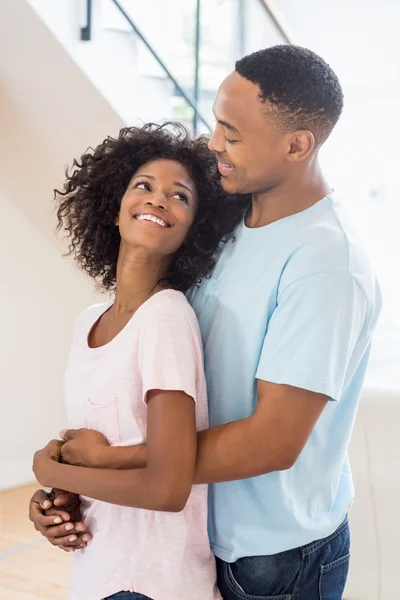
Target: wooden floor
[{"x": 30, "y": 568}]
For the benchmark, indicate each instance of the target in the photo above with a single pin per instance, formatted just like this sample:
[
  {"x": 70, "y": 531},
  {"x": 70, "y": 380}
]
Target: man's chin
[
  {"x": 232, "y": 187},
  {"x": 228, "y": 185}
]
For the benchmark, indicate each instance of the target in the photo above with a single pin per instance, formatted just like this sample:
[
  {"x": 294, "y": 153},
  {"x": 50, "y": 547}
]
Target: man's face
[{"x": 249, "y": 147}]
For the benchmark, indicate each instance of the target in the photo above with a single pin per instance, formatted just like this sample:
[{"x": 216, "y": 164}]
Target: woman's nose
[{"x": 159, "y": 201}]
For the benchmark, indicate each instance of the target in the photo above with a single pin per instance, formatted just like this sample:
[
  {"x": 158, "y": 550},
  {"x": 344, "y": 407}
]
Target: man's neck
[{"x": 292, "y": 196}]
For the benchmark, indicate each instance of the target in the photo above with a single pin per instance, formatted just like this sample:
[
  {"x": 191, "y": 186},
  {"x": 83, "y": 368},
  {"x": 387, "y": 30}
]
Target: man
[{"x": 287, "y": 320}]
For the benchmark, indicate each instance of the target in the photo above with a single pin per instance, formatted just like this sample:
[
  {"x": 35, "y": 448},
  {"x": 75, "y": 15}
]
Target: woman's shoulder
[
  {"x": 169, "y": 304},
  {"x": 92, "y": 311},
  {"x": 168, "y": 300}
]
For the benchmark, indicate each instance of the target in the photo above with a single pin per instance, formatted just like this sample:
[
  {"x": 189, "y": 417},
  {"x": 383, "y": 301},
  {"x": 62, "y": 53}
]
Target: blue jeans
[
  {"x": 127, "y": 596},
  {"x": 317, "y": 571}
]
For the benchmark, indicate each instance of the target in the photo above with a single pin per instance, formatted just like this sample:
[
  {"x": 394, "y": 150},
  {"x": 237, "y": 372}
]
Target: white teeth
[{"x": 152, "y": 218}]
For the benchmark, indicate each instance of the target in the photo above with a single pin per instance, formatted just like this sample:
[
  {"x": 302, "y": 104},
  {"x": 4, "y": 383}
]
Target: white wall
[
  {"x": 49, "y": 112},
  {"x": 41, "y": 296}
]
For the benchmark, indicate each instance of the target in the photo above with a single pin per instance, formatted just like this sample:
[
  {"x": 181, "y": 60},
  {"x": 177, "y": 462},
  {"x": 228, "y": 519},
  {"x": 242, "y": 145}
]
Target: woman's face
[{"x": 158, "y": 207}]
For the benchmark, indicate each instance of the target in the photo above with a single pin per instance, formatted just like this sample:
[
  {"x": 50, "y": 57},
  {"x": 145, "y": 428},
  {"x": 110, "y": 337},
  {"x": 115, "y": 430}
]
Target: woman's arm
[{"x": 163, "y": 484}]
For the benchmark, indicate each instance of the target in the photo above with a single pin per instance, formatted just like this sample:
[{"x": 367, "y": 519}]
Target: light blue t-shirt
[{"x": 296, "y": 303}]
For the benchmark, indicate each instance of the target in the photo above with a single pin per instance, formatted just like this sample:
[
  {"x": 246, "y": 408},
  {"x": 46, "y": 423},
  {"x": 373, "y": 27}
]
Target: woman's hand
[
  {"x": 44, "y": 460},
  {"x": 84, "y": 448}
]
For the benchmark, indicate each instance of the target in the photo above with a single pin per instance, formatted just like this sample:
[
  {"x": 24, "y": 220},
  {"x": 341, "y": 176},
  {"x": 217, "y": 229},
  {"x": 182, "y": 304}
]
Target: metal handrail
[
  {"x": 162, "y": 65},
  {"x": 86, "y": 31},
  {"x": 196, "y": 86},
  {"x": 85, "y": 35},
  {"x": 277, "y": 20},
  {"x": 268, "y": 7}
]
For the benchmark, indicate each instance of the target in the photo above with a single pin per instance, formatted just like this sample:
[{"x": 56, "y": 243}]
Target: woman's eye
[
  {"x": 181, "y": 197},
  {"x": 143, "y": 185},
  {"x": 230, "y": 141}
]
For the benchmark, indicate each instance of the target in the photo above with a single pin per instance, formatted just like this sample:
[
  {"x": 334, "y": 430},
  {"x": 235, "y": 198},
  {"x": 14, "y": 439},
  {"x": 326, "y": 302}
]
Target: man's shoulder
[{"x": 329, "y": 243}]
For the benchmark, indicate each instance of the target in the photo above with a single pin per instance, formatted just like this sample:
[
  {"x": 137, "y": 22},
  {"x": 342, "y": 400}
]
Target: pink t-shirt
[{"x": 165, "y": 556}]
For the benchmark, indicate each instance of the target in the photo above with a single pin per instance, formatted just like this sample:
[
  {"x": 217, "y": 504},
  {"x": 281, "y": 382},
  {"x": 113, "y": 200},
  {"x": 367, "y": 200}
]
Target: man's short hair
[{"x": 297, "y": 86}]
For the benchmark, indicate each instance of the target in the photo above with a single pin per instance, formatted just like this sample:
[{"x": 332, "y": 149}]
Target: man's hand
[
  {"x": 83, "y": 448},
  {"x": 58, "y": 519},
  {"x": 88, "y": 448}
]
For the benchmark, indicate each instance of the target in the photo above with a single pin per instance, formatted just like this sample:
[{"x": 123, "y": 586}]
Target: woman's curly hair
[{"x": 90, "y": 202}]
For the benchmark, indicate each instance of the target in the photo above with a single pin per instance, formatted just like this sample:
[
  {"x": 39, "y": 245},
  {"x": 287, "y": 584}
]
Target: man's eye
[{"x": 231, "y": 141}]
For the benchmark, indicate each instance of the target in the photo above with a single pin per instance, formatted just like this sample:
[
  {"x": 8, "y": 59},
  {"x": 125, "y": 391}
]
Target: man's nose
[{"x": 217, "y": 142}]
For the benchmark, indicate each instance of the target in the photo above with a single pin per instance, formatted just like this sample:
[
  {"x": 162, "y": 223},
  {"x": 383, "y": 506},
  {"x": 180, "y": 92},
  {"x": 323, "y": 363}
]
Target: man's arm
[
  {"x": 270, "y": 440},
  {"x": 89, "y": 448}
]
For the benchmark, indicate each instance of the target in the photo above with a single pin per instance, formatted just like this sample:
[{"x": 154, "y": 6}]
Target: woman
[{"x": 145, "y": 214}]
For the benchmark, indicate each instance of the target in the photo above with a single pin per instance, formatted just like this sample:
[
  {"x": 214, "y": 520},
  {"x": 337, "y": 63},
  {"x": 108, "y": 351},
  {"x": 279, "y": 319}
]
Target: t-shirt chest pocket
[
  {"x": 102, "y": 414},
  {"x": 120, "y": 415}
]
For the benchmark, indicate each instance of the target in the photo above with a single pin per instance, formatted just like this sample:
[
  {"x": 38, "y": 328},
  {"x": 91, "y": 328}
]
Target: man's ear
[{"x": 302, "y": 143}]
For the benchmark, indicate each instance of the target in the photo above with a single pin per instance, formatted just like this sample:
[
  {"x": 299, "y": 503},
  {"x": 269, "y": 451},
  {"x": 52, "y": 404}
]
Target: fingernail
[
  {"x": 57, "y": 520},
  {"x": 86, "y": 538},
  {"x": 83, "y": 545},
  {"x": 72, "y": 538},
  {"x": 47, "y": 504},
  {"x": 69, "y": 527}
]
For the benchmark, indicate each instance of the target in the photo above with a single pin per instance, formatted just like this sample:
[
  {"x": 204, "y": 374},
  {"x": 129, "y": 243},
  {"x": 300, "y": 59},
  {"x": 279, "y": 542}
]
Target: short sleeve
[
  {"x": 167, "y": 350},
  {"x": 312, "y": 333}
]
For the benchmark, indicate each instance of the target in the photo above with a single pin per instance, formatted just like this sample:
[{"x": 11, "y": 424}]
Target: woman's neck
[{"x": 138, "y": 278}]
